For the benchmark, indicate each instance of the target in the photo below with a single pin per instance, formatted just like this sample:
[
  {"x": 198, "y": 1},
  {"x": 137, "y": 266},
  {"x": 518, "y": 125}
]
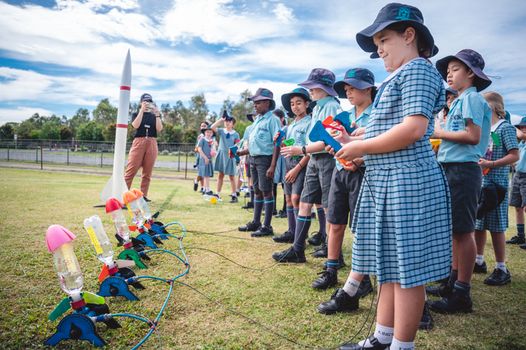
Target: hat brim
[
  {"x": 481, "y": 80},
  {"x": 285, "y": 99},
  {"x": 313, "y": 85},
  {"x": 365, "y": 37},
  {"x": 263, "y": 98},
  {"x": 339, "y": 86}
]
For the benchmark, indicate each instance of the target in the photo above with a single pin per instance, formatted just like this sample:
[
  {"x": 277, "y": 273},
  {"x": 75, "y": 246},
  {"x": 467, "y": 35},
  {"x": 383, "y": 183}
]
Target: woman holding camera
[{"x": 143, "y": 153}]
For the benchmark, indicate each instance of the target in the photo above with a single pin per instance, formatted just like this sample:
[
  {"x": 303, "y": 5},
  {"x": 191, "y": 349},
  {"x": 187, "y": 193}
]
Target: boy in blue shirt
[
  {"x": 518, "y": 192},
  {"x": 465, "y": 138}
]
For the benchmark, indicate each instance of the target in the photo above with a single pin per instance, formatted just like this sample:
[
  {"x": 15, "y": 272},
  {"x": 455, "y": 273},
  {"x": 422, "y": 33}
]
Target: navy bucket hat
[
  {"x": 146, "y": 97},
  {"x": 522, "y": 122},
  {"x": 358, "y": 78},
  {"x": 320, "y": 78},
  {"x": 263, "y": 94},
  {"x": 473, "y": 60},
  {"x": 396, "y": 13},
  {"x": 297, "y": 92}
]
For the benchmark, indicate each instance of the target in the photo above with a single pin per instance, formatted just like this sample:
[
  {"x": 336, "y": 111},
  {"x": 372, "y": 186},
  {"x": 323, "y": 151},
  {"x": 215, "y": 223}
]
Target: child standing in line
[
  {"x": 243, "y": 145},
  {"x": 279, "y": 174},
  {"x": 198, "y": 179},
  {"x": 518, "y": 187},
  {"x": 205, "y": 168},
  {"x": 465, "y": 138},
  {"x": 297, "y": 104},
  {"x": 402, "y": 219},
  {"x": 501, "y": 153},
  {"x": 228, "y": 137}
]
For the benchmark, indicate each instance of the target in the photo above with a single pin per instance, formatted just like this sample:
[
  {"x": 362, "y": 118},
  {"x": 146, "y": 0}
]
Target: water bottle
[
  {"x": 99, "y": 239},
  {"x": 114, "y": 208},
  {"x": 68, "y": 270}
]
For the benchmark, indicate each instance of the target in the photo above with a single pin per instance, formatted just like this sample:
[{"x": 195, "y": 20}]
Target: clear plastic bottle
[
  {"x": 68, "y": 270},
  {"x": 121, "y": 226},
  {"x": 99, "y": 239},
  {"x": 145, "y": 208},
  {"x": 136, "y": 212}
]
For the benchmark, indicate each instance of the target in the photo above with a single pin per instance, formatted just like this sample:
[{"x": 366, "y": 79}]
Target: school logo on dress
[{"x": 403, "y": 13}]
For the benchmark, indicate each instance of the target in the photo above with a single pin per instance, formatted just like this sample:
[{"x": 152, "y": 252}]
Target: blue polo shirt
[
  {"x": 325, "y": 107},
  {"x": 469, "y": 105},
  {"x": 297, "y": 130},
  {"x": 521, "y": 164},
  {"x": 261, "y": 137},
  {"x": 361, "y": 121}
]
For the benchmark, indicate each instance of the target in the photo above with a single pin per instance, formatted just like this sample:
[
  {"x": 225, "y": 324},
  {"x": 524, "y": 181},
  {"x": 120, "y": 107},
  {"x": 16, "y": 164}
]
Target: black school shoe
[
  {"x": 250, "y": 226},
  {"x": 315, "y": 239},
  {"x": 365, "y": 287},
  {"x": 456, "y": 303},
  {"x": 286, "y": 237},
  {"x": 443, "y": 290},
  {"x": 196, "y": 185},
  {"x": 321, "y": 252},
  {"x": 289, "y": 256},
  {"x": 516, "y": 240},
  {"x": 376, "y": 345},
  {"x": 340, "y": 302},
  {"x": 522, "y": 246},
  {"x": 233, "y": 199},
  {"x": 263, "y": 231},
  {"x": 328, "y": 278},
  {"x": 426, "y": 322},
  {"x": 498, "y": 278},
  {"x": 482, "y": 268},
  {"x": 249, "y": 205}
]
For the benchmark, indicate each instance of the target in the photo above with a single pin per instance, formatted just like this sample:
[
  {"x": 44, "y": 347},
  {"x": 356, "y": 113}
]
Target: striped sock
[
  {"x": 520, "y": 230},
  {"x": 269, "y": 207},
  {"x": 302, "y": 230},
  {"x": 332, "y": 264},
  {"x": 258, "y": 208},
  {"x": 323, "y": 222},
  {"x": 291, "y": 219}
]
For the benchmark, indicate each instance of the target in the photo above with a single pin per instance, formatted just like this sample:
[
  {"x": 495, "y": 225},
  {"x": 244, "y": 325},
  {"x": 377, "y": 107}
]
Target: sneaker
[
  {"x": 482, "y": 268},
  {"x": 498, "y": 278},
  {"x": 147, "y": 199},
  {"x": 328, "y": 278},
  {"x": 321, "y": 252},
  {"x": 457, "y": 302},
  {"x": 315, "y": 239},
  {"x": 202, "y": 190},
  {"x": 516, "y": 240},
  {"x": 286, "y": 237},
  {"x": 196, "y": 185},
  {"x": 289, "y": 256},
  {"x": 426, "y": 322},
  {"x": 250, "y": 226},
  {"x": 233, "y": 199},
  {"x": 249, "y": 205},
  {"x": 365, "y": 287},
  {"x": 376, "y": 345},
  {"x": 263, "y": 231},
  {"x": 340, "y": 302},
  {"x": 208, "y": 193}
]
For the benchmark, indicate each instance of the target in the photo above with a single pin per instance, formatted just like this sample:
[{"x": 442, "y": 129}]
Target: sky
[{"x": 59, "y": 56}]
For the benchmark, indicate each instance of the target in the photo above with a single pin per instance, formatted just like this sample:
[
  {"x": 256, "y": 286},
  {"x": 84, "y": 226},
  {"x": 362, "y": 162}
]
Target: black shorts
[
  {"x": 318, "y": 179},
  {"x": 258, "y": 168},
  {"x": 297, "y": 186},
  {"x": 518, "y": 190},
  {"x": 247, "y": 165},
  {"x": 345, "y": 188},
  {"x": 465, "y": 182}
]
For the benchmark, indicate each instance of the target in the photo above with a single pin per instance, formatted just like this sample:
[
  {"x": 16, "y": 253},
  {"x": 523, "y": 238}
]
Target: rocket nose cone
[
  {"x": 56, "y": 236},
  {"x": 113, "y": 204},
  {"x": 128, "y": 197}
]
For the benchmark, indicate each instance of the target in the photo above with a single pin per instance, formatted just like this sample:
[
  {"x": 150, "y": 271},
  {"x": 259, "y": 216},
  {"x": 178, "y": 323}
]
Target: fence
[{"x": 174, "y": 156}]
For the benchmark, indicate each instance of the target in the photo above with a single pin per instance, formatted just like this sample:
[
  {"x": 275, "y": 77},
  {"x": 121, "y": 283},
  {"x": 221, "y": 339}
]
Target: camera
[{"x": 150, "y": 107}]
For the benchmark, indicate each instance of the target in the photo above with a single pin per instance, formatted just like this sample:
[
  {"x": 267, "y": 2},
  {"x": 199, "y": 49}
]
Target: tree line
[{"x": 181, "y": 123}]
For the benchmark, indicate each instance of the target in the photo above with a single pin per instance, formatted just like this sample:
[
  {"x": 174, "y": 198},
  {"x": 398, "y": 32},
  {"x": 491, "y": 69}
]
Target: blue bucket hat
[
  {"x": 451, "y": 91},
  {"x": 264, "y": 94},
  {"x": 146, "y": 97},
  {"x": 320, "y": 78},
  {"x": 299, "y": 92},
  {"x": 473, "y": 60},
  {"x": 522, "y": 122},
  {"x": 396, "y": 13},
  {"x": 358, "y": 78}
]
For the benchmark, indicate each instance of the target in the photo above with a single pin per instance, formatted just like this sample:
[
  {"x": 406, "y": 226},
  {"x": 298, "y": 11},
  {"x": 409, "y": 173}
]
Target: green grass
[{"x": 279, "y": 297}]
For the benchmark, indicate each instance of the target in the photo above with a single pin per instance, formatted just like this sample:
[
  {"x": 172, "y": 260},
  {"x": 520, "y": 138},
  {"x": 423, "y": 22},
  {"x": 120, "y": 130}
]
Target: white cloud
[
  {"x": 283, "y": 13},
  {"x": 21, "y": 113}
]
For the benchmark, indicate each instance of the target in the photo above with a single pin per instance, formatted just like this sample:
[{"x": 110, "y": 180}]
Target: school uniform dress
[
  {"x": 297, "y": 130},
  {"x": 402, "y": 219},
  {"x": 503, "y": 139},
  {"x": 205, "y": 170},
  {"x": 346, "y": 184},
  {"x": 321, "y": 164},
  {"x": 518, "y": 187},
  {"x": 460, "y": 161},
  {"x": 261, "y": 147},
  {"x": 281, "y": 167},
  {"x": 224, "y": 164}
]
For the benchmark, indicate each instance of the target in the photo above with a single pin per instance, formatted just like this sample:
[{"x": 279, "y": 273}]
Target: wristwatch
[{"x": 304, "y": 150}]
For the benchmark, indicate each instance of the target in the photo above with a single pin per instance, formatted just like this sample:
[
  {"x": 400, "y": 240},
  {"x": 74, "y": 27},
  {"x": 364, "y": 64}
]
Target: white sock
[
  {"x": 351, "y": 286},
  {"x": 402, "y": 345},
  {"x": 479, "y": 260},
  {"x": 502, "y": 266},
  {"x": 382, "y": 333}
]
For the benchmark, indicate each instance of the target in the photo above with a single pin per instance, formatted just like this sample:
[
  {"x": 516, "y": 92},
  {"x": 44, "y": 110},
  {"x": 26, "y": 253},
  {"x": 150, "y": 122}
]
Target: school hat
[
  {"x": 297, "y": 92},
  {"x": 320, "y": 78},
  {"x": 395, "y": 13},
  {"x": 522, "y": 122},
  {"x": 264, "y": 94},
  {"x": 451, "y": 91},
  {"x": 358, "y": 78},
  {"x": 473, "y": 60},
  {"x": 146, "y": 97}
]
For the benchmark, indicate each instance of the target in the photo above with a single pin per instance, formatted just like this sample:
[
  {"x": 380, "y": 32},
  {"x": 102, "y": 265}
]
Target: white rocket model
[{"x": 116, "y": 185}]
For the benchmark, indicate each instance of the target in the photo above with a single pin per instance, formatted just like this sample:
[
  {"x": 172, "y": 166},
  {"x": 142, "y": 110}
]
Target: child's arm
[
  {"x": 216, "y": 124},
  {"x": 511, "y": 157},
  {"x": 469, "y": 136}
]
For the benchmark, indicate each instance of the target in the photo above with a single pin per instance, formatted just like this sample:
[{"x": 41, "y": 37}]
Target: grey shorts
[
  {"x": 258, "y": 169},
  {"x": 318, "y": 179},
  {"x": 247, "y": 165},
  {"x": 345, "y": 188},
  {"x": 297, "y": 186},
  {"x": 518, "y": 190},
  {"x": 465, "y": 182}
]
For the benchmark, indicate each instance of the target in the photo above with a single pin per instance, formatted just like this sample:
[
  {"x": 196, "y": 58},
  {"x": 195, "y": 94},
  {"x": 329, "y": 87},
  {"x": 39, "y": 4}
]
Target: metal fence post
[
  {"x": 8, "y": 153},
  {"x": 41, "y": 157},
  {"x": 178, "y": 159},
  {"x": 186, "y": 167},
  {"x": 101, "y": 154},
  {"x": 67, "y": 156},
  {"x": 36, "y": 155}
]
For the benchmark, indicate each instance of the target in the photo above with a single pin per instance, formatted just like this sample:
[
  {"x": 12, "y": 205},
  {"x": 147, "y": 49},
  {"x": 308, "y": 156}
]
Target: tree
[
  {"x": 199, "y": 110},
  {"x": 79, "y": 118},
  {"x": 66, "y": 133},
  {"x": 243, "y": 106},
  {"x": 109, "y": 132},
  {"x": 90, "y": 131},
  {"x": 172, "y": 133},
  {"x": 7, "y": 131},
  {"x": 105, "y": 113}
]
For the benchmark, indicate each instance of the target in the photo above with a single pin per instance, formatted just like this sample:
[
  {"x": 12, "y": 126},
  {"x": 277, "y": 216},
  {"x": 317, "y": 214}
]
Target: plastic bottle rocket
[
  {"x": 99, "y": 239},
  {"x": 145, "y": 208},
  {"x": 134, "y": 208},
  {"x": 114, "y": 209}
]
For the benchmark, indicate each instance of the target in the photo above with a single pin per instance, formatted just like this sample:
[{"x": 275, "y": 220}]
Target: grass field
[{"x": 279, "y": 298}]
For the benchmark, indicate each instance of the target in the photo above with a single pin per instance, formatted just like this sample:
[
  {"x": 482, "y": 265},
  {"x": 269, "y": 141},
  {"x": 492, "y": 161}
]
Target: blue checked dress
[
  {"x": 224, "y": 164},
  {"x": 503, "y": 139},
  {"x": 402, "y": 219}
]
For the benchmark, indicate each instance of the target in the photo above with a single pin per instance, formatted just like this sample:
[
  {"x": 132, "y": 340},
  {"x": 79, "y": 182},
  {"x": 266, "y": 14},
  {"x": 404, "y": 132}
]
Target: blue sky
[{"x": 58, "y": 56}]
